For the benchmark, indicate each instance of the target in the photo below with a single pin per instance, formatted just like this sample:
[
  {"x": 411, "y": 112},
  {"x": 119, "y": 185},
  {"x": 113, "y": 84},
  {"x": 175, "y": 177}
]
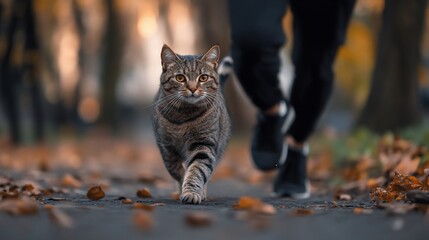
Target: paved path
[{"x": 108, "y": 218}]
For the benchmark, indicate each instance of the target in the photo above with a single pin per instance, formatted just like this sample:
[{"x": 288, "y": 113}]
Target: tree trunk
[
  {"x": 8, "y": 87},
  {"x": 32, "y": 64},
  {"x": 111, "y": 66},
  {"x": 393, "y": 99}
]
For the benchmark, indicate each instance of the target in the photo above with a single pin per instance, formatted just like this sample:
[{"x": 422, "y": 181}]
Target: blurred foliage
[{"x": 355, "y": 62}]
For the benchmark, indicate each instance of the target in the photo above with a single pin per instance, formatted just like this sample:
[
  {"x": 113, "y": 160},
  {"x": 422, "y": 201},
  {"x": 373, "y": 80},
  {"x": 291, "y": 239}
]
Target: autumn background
[{"x": 77, "y": 79}]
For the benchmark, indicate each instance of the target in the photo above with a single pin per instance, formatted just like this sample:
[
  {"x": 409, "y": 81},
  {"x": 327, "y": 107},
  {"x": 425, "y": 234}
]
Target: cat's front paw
[{"x": 191, "y": 198}]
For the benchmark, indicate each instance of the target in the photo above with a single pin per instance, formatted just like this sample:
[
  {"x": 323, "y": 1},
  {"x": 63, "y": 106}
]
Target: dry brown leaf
[
  {"x": 198, "y": 219},
  {"x": 359, "y": 210},
  {"x": 421, "y": 170},
  {"x": 397, "y": 189},
  {"x": 175, "y": 196},
  {"x": 19, "y": 206},
  {"x": 143, "y": 220},
  {"x": 145, "y": 207},
  {"x": 69, "y": 181},
  {"x": 59, "y": 217},
  {"x": 127, "y": 201},
  {"x": 399, "y": 155},
  {"x": 302, "y": 212},
  {"x": 245, "y": 203},
  {"x": 343, "y": 197},
  {"x": 144, "y": 193},
  {"x": 408, "y": 165},
  {"x": 267, "y": 209},
  {"x": 27, "y": 187},
  {"x": 375, "y": 182},
  {"x": 95, "y": 193},
  {"x": 358, "y": 169},
  {"x": 254, "y": 205}
]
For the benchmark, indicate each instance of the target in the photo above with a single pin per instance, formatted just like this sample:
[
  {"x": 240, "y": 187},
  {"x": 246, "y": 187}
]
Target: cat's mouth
[{"x": 193, "y": 98}]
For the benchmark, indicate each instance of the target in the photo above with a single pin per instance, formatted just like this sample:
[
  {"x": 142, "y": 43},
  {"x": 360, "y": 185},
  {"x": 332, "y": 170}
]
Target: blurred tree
[
  {"x": 213, "y": 24},
  {"x": 393, "y": 99},
  {"x": 111, "y": 65},
  {"x": 32, "y": 65},
  {"x": 8, "y": 87},
  {"x": 21, "y": 61}
]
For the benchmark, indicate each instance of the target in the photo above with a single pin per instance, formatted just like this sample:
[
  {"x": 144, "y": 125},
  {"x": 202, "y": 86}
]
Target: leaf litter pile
[{"x": 33, "y": 179}]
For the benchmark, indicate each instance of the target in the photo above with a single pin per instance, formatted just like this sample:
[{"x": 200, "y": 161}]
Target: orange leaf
[
  {"x": 144, "y": 193},
  {"x": 69, "y": 181},
  {"x": 302, "y": 212},
  {"x": 198, "y": 219},
  {"x": 143, "y": 220},
  {"x": 95, "y": 193},
  {"x": 143, "y": 206},
  {"x": 19, "y": 206}
]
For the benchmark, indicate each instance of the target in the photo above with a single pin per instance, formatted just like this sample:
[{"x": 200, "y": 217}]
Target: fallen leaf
[
  {"x": 69, "y": 181},
  {"x": 245, "y": 203},
  {"x": 175, "y": 196},
  {"x": 375, "y": 182},
  {"x": 359, "y": 210},
  {"x": 254, "y": 205},
  {"x": 60, "y": 217},
  {"x": 343, "y": 197},
  {"x": 143, "y": 206},
  {"x": 27, "y": 187},
  {"x": 267, "y": 209},
  {"x": 302, "y": 212},
  {"x": 127, "y": 201},
  {"x": 95, "y": 193},
  {"x": 143, "y": 220},
  {"x": 144, "y": 193},
  {"x": 397, "y": 188},
  {"x": 408, "y": 165},
  {"x": 19, "y": 206},
  {"x": 198, "y": 219}
]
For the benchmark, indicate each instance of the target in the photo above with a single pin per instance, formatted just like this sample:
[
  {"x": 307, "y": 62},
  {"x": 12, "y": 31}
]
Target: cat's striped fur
[{"x": 190, "y": 120}]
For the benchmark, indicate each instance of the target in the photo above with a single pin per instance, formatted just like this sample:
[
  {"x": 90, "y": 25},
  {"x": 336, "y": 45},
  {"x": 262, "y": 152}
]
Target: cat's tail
[{"x": 226, "y": 68}]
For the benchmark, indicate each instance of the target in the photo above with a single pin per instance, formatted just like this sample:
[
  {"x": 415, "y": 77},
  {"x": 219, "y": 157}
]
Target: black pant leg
[
  {"x": 257, "y": 36},
  {"x": 319, "y": 29}
]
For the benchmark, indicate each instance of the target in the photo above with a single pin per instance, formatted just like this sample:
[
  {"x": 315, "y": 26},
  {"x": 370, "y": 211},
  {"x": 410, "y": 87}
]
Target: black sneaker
[
  {"x": 291, "y": 180},
  {"x": 268, "y": 148}
]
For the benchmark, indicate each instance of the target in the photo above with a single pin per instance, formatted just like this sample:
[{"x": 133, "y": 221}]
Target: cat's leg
[
  {"x": 199, "y": 169},
  {"x": 174, "y": 165}
]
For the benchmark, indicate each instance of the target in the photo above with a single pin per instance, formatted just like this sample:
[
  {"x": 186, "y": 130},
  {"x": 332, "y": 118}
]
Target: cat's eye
[
  {"x": 180, "y": 78},
  {"x": 203, "y": 78}
]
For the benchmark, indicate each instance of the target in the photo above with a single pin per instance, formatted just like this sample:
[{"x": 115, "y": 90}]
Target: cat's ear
[
  {"x": 212, "y": 56},
  {"x": 167, "y": 56}
]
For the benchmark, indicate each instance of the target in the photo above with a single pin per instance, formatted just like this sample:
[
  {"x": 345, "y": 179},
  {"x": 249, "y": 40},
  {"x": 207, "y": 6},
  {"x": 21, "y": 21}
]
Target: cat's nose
[{"x": 192, "y": 90}]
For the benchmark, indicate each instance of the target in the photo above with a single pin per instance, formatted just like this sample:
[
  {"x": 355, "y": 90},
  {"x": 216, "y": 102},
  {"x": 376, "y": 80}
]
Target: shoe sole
[{"x": 298, "y": 196}]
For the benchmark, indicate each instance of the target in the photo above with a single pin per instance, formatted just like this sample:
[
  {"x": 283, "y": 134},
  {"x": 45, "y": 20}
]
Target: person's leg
[
  {"x": 257, "y": 36},
  {"x": 319, "y": 29}
]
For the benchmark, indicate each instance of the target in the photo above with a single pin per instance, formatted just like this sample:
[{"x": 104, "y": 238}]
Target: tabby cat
[{"x": 190, "y": 120}]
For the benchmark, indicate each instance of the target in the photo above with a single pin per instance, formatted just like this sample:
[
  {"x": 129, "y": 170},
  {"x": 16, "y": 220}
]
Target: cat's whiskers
[
  {"x": 170, "y": 104},
  {"x": 159, "y": 101}
]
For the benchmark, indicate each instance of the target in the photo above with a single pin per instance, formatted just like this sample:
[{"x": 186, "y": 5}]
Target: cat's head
[{"x": 191, "y": 78}]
